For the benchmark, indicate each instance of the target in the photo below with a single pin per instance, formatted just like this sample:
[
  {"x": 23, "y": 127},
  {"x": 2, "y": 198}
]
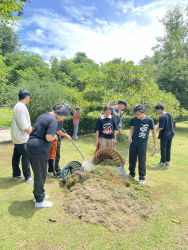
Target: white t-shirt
[{"x": 20, "y": 122}]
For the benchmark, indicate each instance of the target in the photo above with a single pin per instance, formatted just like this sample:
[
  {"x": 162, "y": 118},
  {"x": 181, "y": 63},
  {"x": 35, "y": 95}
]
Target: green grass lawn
[
  {"x": 23, "y": 226},
  {"x": 5, "y": 117}
]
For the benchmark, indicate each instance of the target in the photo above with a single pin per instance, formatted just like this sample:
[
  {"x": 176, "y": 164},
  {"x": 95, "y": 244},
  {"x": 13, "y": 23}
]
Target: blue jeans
[{"x": 75, "y": 130}]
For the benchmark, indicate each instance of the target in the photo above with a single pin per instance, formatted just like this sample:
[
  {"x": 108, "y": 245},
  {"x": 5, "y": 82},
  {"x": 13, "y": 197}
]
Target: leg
[
  {"x": 25, "y": 160},
  {"x": 50, "y": 165},
  {"x": 110, "y": 143},
  {"x": 57, "y": 159},
  {"x": 39, "y": 166},
  {"x": 168, "y": 149},
  {"x": 16, "y": 162},
  {"x": 142, "y": 161},
  {"x": 133, "y": 151},
  {"x": 75, "y": 130},
  {"x": 163, "y": 145}
]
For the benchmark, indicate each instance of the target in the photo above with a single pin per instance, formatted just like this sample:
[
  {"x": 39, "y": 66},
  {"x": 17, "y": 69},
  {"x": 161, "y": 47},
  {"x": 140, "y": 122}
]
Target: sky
[{"x": 103, "y": 29}]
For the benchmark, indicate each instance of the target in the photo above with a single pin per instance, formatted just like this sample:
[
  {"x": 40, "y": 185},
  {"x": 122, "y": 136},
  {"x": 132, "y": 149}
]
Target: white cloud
[{"x": 101, "y": 40}]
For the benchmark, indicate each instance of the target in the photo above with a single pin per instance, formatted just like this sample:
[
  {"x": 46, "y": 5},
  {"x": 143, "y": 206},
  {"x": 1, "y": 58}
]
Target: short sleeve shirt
[
  {"x": 37, "y": 143},
  {"x": 166, "y": 123},
  {"x": 141, "y": 130},
  {"x": 106, "y": 127}
]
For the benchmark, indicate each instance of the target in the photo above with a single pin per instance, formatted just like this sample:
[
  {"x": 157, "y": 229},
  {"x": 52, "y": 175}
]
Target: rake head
[{"x": 120, "y": 172}]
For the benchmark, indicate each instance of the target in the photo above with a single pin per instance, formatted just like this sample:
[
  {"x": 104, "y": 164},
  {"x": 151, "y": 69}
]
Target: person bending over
[
  {"x": 166, "y": 134},
  {"x": 106, "y": 129},
  {"x": 116, "y": 112},
  {"x": 138, "y": 139}
]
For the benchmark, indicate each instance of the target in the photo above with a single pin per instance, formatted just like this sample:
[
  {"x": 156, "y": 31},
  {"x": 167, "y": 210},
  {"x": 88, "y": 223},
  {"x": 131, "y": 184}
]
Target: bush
[{"x": 182, "y": 117}]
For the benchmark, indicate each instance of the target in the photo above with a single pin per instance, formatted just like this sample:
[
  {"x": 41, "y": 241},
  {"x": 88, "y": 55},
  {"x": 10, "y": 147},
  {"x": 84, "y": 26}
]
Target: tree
[
  {"x": 9, "y": 40},
  {"x": 7, "y": 8}
]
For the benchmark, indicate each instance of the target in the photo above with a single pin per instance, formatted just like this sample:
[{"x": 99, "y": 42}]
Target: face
[
  {"x": 121, "y": 106},
  {"x": 107, "y": 113},
  {"x": 27, "y": 98},
  {"x": 60, "y": 118},
  {"x": 139, "y": 115},
  {"x": 158, "y": 111}
]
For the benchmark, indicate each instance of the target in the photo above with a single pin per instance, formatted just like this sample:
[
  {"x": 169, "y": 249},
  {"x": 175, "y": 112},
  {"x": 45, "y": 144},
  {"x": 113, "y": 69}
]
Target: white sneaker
[
  {"x": 167, "y": 164},
  {"x": 43, "y": 204},
  {"x": 141, "y": 182},
  {"x": 18, "y": 177},
  {"x": 161, "y": 164},
  {"x": 134, "y": 177},
  {"x": 75, "y": 137},
  {"x": 30, "y": 180},
  {"x": 46, "y": 197}
]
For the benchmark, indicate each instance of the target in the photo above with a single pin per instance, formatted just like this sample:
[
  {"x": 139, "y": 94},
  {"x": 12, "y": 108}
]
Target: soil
[{"x": 96, "y": 201}]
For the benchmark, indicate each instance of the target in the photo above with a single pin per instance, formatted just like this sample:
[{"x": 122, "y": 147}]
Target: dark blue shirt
[
  {"x": 37, "y": 143},
  {"x": 106, "y": 127},
  {"x": 141, "y": 129},
  {"x": 166, "y": 123}
]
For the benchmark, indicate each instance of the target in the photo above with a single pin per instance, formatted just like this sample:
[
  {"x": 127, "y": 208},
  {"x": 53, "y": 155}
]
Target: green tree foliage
[
  {"x": 9, "y": 7},
  {"x": 9, "y": 40},
  {"x": 171, "y": 54}
]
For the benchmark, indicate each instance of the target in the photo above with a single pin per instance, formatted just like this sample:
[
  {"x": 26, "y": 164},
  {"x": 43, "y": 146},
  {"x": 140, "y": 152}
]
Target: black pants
[
  {"x": 139, "y": 151},
  {"x": 39, "y": 166},
  {"x": 20, "y": 150},
  {"x": 57, "y": 159},
  {"x": 165, "y": 144}
]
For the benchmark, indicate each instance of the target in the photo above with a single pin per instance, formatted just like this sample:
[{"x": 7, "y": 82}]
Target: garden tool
[
  {"x": 97, "y": 148},
  {"x": 121, "y": 170},
  {"x": 70, "y": 168},
  {"x": 86, "y": 164},
  {"x": 53, "y": 150}
]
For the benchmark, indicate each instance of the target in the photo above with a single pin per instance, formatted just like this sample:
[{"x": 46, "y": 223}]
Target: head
[
  {"x": 24, "y": 95},
  {"x": 121, "y": 104},
  {"x": 159, "y": 108},
  {"x": 107, "y": 111},
  {"x": 61, "y": 111},
  {"x": 139, "y": 111},
  {"x": 78, "y": 108}
]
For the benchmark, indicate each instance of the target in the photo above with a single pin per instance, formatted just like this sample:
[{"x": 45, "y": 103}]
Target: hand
[
  {"x": 31, "y": 128},
  {"x": 120, "y": 131},
  {"x": 68, "y": 137},
  {"x": 97, "y": 143},
  {"x": 55, "y": 138},
  {"x": 115, "y": 142},
  {"x": 155, "y": 148},
  {"x": 130, "y": 140}
]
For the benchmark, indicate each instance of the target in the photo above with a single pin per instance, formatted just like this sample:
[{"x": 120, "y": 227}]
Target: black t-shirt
[
  {"x": 106, "y": 127},
  {"x": 59, "y": 127},
  {"x": 37, "y": 143},
  {"x": 166, "y": 122},
  {"x": 141, "y": 130}
]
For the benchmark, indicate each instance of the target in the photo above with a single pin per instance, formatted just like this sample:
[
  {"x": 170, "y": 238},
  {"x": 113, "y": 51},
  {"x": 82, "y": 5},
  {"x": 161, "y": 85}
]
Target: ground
[{"x": 23, "y": 226}]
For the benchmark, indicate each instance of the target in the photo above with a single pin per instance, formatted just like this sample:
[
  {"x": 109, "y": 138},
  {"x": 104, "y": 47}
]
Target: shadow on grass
[
  {"x": 156, "y": 168},
  {"x": 23, "y": 209},
  {"x": 8, "y": 182}
]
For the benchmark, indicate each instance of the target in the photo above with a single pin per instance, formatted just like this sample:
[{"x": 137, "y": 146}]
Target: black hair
[
  {"x": 159, "y": 106},
  {"x": 123, "y": 102},
  {"x": 23, "y": 93},
  {"x": 141, "y": 108},
  {"x": 107, "y": 107},
  {"x": 63, "y": 109}
]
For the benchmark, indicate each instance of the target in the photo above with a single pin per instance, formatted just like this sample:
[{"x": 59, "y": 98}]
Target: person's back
[{"x": 166, "y": 122}]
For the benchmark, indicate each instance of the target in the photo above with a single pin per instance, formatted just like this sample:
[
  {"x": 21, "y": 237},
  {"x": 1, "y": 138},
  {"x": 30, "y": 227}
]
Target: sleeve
[
  {"x": 21, "y": 120},
  {"x": 132, "y": 121},
  {"x": 97, "y": 128},
  {"x": 152, "y": 126},
  {"x": 161, "y": 122},
  {"x": 120, "y": 121},
  {"x": 114, "y": 124},
  {"x": 59, "y": 126},
  {"x": 52, "y": 127}
]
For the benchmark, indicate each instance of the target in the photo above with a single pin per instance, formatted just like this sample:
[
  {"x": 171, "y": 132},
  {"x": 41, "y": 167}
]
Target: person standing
[
  {"x": 20, "y": 131},
  {"x": 166, "y": 134},
  {"x": 106, "y": 129},
  {"x": 138, "y": 139},
  {"x": 76, "y": 116},
  {"x": 38, "y": 148},
  {"x": 116, "y": 112},
  {"x": 57, "y": 171}
]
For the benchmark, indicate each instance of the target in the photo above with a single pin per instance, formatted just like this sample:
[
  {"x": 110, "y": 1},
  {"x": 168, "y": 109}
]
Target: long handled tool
[
  {"x": 86, "y": 164},
  {"x": 121, "y": 170}
]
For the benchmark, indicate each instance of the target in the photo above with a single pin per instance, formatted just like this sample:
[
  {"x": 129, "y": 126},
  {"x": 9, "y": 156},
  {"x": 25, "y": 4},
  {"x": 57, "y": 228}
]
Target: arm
[
  {"x": 28, "y": 131},
  {"x": 97, "y": 137},
  {"x": 115, "y": 137},
  {"x": 68, "y": 137},
  {"x": 155, "y": 140},
  {"x": 51, "y": 137},
  {"x": 130, "y": 134},
  {"x": 119, "y": 124}
]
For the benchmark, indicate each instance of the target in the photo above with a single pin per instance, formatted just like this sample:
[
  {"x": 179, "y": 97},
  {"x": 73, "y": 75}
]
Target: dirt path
[{"x": 5, "y": 135}]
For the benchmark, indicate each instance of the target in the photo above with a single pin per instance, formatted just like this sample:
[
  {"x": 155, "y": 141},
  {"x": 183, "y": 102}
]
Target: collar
[{"x": 102, "y": 117}]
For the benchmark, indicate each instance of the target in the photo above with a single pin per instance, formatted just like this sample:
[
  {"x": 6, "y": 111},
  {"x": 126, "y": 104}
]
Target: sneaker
[
  {"x": 141, "y": 182},
  {"x": 18, "y": 177},
  {"x": 43, "y": 204},
  {"x": 75, "y": 137},
  {"x": 167, "y": 164},
  {"x": 49, "y": 172},
  {"x": 57, "y": 176},
  {"x": 160, "y": 164},
  {"x": 30, "y": 180},
  {"x": 46, "y": 197},
  {"x": 134, "y": 177}
]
